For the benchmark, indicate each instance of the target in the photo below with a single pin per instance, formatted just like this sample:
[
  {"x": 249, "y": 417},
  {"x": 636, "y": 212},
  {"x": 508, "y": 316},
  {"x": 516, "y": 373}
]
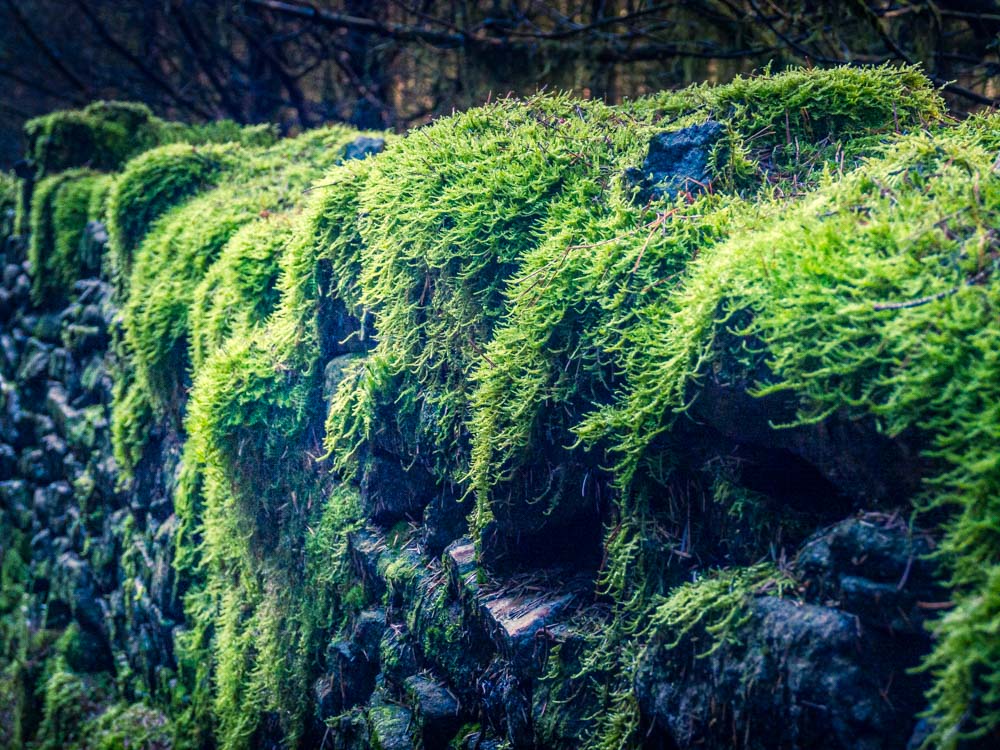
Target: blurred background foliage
[{"x": 398, "y": 63}]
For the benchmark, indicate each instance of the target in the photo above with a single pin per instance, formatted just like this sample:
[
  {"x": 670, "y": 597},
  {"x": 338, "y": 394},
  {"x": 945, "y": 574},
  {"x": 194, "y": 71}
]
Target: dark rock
[
  {"x": 86, "y": 651},
  {"x": 34, "y": 467},
  {"x": 389, "y": 727},
  {"x": 516, "y": 620},
  {"x": 7, "y": 305},
  {"x": 84, "y": 339},
  {"x": 390, "y": 492},
  {"x": 92, "y": 245},
  {"x": 435, "y": 711},
  {"x": 162, "y": 588},
  {"x": 8, "y": 462},
  {"x": 367, "y": 546},
  {"x": 16, "y": 501},
  {"x": 350, "y": 678},
  {"x": 34, "y": 361},
  {"x": 340, "y": 332},
  {"x": 21, "y": 291},
  {"x": 852, "y": 458},
  {"x": 51, "y": 503},
  {"x": 363, "y": 146},
  {"x": 463, "y": 572},
  {"x": 875, "y": 567},
  {"x": 505, "y": 704},
  {"x": 445, "y": 519},
  {"x": 369, "y": 628},
  {"x": 10, "y": 273},
  {"x": 795, "y": 675},
  {"x": 93, "y": 316},
  {"x": 9, "y": 354},
  {"x": 73, "y": 583},
  {"x": 63, "y": 368},
  {"x": 677, "y": 162},
  {"x": 397, "y": 656},
  {"x": 47, "y": 328}
]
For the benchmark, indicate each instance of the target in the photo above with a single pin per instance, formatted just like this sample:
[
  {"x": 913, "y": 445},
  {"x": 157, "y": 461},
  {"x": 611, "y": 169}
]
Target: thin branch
[
  {"x": 125, "y": 53},
  {"x": 401, "y": 32},
  {"x": 53, "y": 56},
  {"x": 190, "y": 37}
]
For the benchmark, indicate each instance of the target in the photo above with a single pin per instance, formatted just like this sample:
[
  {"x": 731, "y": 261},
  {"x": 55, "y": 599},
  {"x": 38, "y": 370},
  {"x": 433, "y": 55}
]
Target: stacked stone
[{"x": 59, "y": 488}]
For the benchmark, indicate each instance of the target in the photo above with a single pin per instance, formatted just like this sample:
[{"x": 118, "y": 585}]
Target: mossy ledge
[{"x": 551, "y": 424}]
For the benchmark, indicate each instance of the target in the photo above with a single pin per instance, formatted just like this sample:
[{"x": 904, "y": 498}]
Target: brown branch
[
  {"x": 41, "y": 87},
  {"x": 190, "y": 37},
  {"x": 125, "y": 53},
  {"x": 49, "y": 52},
  {"x": 401, "y": 32}
]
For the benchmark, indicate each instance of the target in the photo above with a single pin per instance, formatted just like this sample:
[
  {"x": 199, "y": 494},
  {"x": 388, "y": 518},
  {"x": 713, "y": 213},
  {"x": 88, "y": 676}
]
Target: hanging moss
[
  {"x": 62, "y": 206},
  {"x": 150, "y": 185},
  {"x": 904, "y": 304},
  {"x": 9, "y": 191},
  {"x": 241, "y": 289},
  {"x": 606, "y": 266},
  {"x": 171, "y": 261}
]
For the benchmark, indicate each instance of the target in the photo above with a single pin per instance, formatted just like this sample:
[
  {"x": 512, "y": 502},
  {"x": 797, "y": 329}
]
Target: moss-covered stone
[{"x": 655, "y": 343}]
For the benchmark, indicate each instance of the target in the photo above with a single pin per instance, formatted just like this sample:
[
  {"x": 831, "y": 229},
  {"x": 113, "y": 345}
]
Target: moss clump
[
  {"x": 173, "y": 258},
  {"x": 105, "y": 135},
  {"x": 219, "y": 283},
  {"x": 904, "y": 304},
  {"x": 61, "y": 207},
  {"x": 241, "y": 289},
  {"x": 153, "y": 183},
  {"x": 9, "y": 191},
  {"x": 606, "y": 266}
]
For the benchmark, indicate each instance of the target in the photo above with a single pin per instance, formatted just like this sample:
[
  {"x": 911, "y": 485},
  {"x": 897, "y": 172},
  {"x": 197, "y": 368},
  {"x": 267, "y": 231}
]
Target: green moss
[
  {"x": 129, "y": 727},
  {"x": 529, "y": 314},
  {"x": 153, "y": 183},
  {"x": 71, "y": 702},
  {"x": 173, "y": 258},
  {"x": 9, "y": 191},
  {"x": 239, "y": 291},
  {"x": 903, "y": 302},
  {"x": 105, "y": 135},
  {"x": 60, "y": 211}
]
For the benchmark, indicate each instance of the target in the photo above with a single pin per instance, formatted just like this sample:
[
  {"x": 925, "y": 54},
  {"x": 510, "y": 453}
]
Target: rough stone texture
[
  {"x": 677, "y": 162},
  {"x": 795, "y": 675},
  {"x": 363, "y": 146},
  {"x": 59, "y": 487}
]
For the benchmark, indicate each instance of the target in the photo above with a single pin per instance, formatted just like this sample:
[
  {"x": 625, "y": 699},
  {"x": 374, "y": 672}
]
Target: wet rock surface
[{"x": 453, "y": 650}]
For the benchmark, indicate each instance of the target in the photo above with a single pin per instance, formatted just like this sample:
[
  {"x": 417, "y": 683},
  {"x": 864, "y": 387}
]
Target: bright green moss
[
  {"x": 105, "y": 135},
  {"x": 129, "y": 727},
  {"x": 241, "y": 289},
  {"x": 61, "y": 207},
  {"x": 203, "y": 290},
  {"x": 263, "y": 391},
  {"x": 605, "y": 266},
  {"x": 71, "y": 702},
  {"x": 150, "y": 185},
  {"x": 9, "y": 191},
  {"x": 905, "y": 304},
  {"x": 174, "y": 257}
]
